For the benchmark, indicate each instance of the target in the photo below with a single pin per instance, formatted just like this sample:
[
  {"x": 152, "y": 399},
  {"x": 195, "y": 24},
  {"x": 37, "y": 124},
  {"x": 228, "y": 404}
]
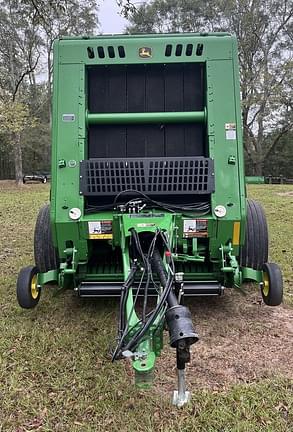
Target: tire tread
[
  {"x": 23, "y": 293},
  {"x": 254, "y": 252},
  {"x": 44, "y": 251}
]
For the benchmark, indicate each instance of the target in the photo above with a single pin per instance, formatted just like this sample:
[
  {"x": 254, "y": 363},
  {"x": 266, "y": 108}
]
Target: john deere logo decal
[{"x": 145, "y": 52}]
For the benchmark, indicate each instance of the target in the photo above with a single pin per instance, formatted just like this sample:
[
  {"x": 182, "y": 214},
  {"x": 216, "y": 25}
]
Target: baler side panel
[
  {"x": 221, "y": 112},
  {"x": 54, "y": 142},
  {"x": 239, "y": 130},
  {"x": 70, "y": 144}
]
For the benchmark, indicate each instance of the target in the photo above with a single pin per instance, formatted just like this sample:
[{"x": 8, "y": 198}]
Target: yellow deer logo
[{"x": 145, "y": 52}]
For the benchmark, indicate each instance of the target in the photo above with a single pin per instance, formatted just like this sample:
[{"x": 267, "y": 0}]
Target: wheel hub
[{"x": 34, "y": 287}]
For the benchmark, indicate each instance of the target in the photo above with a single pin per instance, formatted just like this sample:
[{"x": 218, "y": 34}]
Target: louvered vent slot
[
  {"x": 153, "y": 176},
  {"x": 189, "y": 49},
  {"x": 111, "y": 52},
  {"x": 178, "y": 51},
  {"x": 168, "y": 50},
  {"x": 121, "y": 51},
  {"x": 90, "y": 52},
  {"x": 199, "y": 49},
  {"x": 101, "y": 52}
]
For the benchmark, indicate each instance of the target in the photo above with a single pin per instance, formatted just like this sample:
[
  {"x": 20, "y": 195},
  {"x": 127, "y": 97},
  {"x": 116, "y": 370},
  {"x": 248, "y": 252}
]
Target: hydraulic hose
[{"x": 158, "y": 267}]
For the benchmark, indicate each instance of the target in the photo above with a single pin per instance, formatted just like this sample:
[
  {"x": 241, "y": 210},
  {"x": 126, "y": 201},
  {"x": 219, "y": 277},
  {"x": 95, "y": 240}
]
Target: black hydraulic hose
[
  {"x": 126, "y": 330},
  {"x": 123, "y": 298},
  {"x": 147, "y": 269},
  {"x": 133, "y": 343},
  {"x": 167, "y": 285},
  {"x": 125, "y": 289},
  {"x": 195, "y": 207},
  {"x": 149, "y": 275},
  {"x": 158, "y": 267},
  {"x": 145, "y": 298},
  {"x": 153, "y": 263}
]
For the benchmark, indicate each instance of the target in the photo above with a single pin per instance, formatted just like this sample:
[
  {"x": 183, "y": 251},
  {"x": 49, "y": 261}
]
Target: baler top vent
[
  {"x": 110, "y": 51},
  {"x": 180, "y": 50}
]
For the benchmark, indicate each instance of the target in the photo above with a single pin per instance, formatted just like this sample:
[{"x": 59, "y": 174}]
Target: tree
[
  {"x": 264, "y": 32},
  {"x": 64, "y": 18},
  {"x": 126, "y": 7},
  {"x": 14, "y": 119},
  {"x": 280, "y": 160},
  {"x": 28, "y": 29},
  {"x": 19, "y": 56}
]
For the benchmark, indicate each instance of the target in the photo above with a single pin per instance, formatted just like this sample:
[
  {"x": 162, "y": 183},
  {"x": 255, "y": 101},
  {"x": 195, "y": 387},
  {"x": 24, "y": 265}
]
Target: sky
[{"x": 111, "y": 21}]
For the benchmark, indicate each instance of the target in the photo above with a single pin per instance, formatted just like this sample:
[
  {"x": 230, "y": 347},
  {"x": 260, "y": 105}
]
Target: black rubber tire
[
  {"x": 254, "y": 252},
  {"x": 23, "y": 288},
  {"x": 44, "y": 180},
  {"x": 274, "y": 295},
  {"x": 45, "y": 254}
]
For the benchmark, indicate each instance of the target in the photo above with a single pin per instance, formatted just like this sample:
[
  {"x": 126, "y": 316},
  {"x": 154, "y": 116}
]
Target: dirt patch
[
  {"x": 241, "y": 340},
  {"x": 289, "y": 193}
]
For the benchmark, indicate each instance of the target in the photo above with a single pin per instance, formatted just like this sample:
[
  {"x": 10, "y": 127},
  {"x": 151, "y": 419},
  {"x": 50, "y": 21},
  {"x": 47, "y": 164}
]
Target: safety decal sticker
[
  {"x": 230, "y": 129},
  {"x": 100, "y": 230},
  {"x": 195, "y": 228}
]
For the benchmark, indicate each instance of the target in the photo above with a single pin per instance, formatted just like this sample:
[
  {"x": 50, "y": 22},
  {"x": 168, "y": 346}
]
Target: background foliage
[
  {"x": 264, "y": 33},
  {"x": 263, "y": 28},
  {"x": 28, "y": 29}
]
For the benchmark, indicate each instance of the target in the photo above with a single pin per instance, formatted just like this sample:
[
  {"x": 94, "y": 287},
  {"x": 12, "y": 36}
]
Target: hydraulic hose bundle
[
  {"x": 147, "y": 260},
  {"x": 198, "y": 207}
]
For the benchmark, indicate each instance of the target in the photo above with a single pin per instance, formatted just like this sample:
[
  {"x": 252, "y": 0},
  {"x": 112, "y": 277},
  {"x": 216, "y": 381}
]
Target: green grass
[
  {"x": 278, "y": 205},
  {"x": 55, "y": 372}
]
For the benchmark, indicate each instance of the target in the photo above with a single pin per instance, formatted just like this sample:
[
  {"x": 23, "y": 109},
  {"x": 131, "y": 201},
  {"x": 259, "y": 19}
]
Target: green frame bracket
[
  {"x": 50, "y": 276},
  {"x": 251, "y": 274}
]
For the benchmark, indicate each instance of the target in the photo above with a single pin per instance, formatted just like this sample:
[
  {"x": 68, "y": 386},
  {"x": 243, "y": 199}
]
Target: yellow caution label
[
  {"x": 100, "y": 230},
  {"x": 100, "y": 236},
  {"x": 236, "y": 234}
]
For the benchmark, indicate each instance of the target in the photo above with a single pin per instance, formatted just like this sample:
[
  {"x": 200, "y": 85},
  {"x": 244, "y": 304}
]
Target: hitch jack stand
[{"x": 181, "y": 396}]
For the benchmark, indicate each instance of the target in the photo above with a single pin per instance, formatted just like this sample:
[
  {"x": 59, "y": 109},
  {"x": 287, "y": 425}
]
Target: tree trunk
[
  {"x": 258, "y": 167},
  {"x": 17, "y": 158}
]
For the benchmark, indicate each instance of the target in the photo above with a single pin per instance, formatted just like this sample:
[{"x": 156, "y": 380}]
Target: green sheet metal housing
[{"x": 221, "y": 119}]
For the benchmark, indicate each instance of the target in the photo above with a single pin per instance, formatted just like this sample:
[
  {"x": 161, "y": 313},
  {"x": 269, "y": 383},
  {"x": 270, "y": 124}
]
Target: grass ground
[{"x": 55, "y": 373}]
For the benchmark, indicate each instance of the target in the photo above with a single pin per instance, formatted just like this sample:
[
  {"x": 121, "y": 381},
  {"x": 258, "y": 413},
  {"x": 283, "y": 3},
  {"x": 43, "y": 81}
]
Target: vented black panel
[
  {"x": 139, "y": 141},
  {"x": 152, "y": 176},
  {"x": 145, "y": 88}
]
